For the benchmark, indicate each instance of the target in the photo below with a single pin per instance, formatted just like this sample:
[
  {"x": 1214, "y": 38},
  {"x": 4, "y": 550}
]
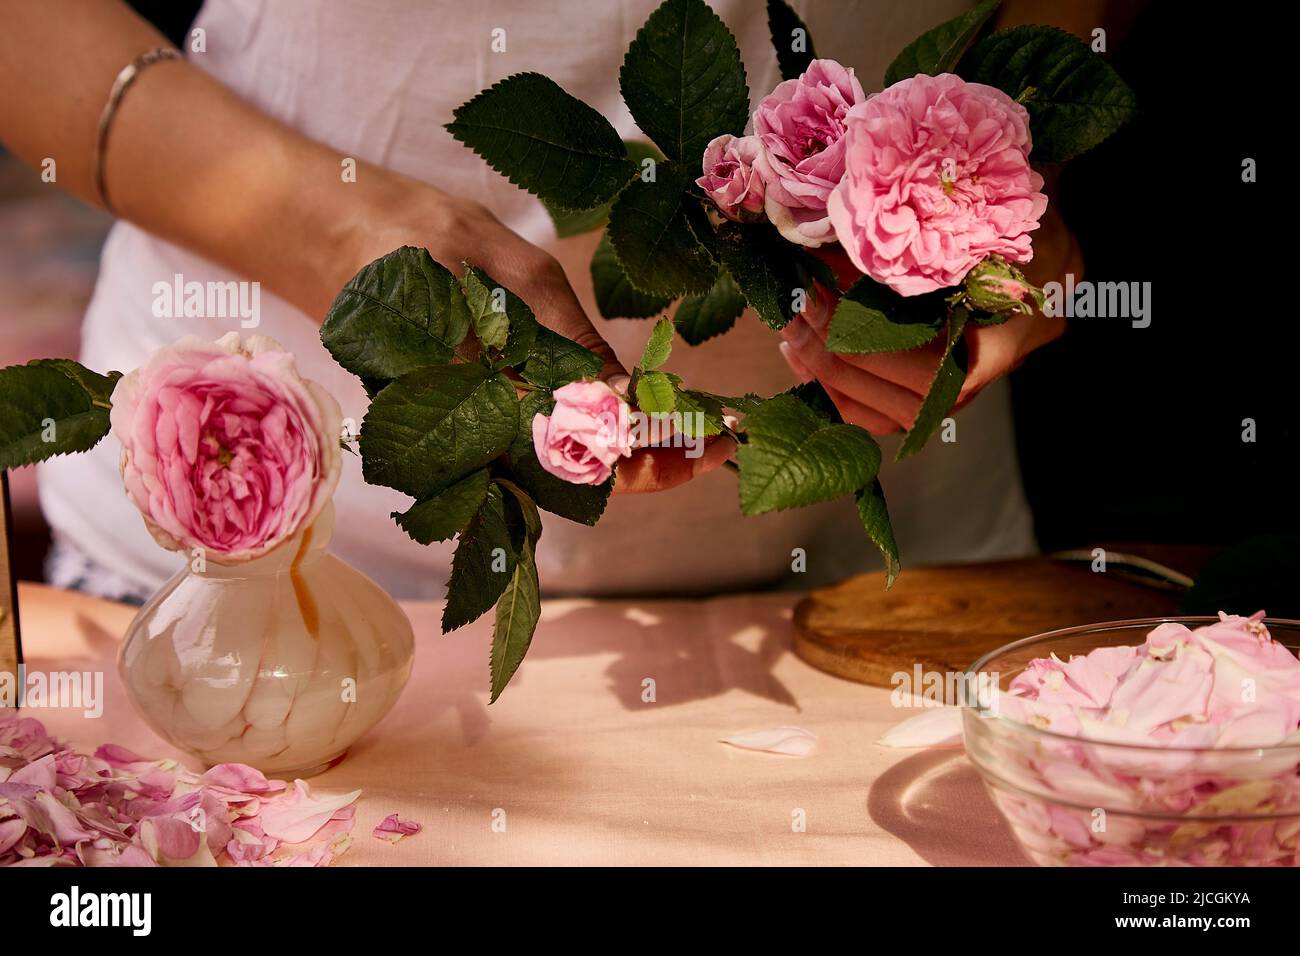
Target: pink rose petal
[
  {"x": 790, "y": 741},
  {"x": 392, "y": 828}
]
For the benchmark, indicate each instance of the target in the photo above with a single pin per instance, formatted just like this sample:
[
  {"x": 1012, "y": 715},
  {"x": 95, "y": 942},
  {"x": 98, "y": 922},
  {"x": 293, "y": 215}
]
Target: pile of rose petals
[
  {"x": 1228, "y": 684},
  {"x": 59, "y": 807},
  {"x": 1179, "y": 751}
]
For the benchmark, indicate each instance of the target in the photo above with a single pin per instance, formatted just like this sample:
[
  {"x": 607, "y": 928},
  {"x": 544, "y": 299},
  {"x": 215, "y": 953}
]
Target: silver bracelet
[{"x": 120, "y": 85}]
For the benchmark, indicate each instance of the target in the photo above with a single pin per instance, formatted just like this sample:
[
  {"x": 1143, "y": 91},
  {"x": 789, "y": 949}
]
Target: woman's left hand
[{"x": 882, "y": 392}]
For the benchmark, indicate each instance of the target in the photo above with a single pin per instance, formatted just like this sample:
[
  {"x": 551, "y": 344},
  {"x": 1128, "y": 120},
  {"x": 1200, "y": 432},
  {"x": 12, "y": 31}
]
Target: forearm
[{"x": 186, "y": 158}]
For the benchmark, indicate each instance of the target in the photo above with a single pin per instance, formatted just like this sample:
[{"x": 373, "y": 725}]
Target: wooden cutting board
[{"x": 946, "y": 618}]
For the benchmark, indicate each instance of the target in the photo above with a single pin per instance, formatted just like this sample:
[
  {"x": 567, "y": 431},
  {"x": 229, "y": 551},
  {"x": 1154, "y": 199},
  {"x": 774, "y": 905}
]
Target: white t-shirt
[{"x": 377, "y": 79}]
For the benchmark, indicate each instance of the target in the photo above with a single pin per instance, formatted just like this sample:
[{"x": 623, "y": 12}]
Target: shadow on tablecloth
[{"x": 935, "y": 803}]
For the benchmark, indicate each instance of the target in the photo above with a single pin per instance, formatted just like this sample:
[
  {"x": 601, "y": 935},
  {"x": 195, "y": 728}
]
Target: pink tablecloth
[{"x": 588, "y": 773}]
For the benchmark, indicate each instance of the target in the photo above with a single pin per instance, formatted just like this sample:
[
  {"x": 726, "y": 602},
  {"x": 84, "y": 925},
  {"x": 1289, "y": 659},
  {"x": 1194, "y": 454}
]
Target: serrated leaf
[
  {"x": 939, "y": 50},
  {"x": 658, "y": 347},
  {"x": 1074, "y": 97},
  {"x": 701, "y": 413},
  {"x": 701, "y": 317},
  {"x": 872, "y": 317},
  {"x": 55, "y": 397},
  {"x": 767, "y": 269},
  {"x": 574, "y": 222},
  {"x": 488, "y": 303},
  {"x": 518, "y": 612},
  {"x": 434, "y": 426},
  {"x": 445, "y": 514},
  {"x": 483, "y": 565},
  {"x": 656, "y": 393},
  {"x": 616, "y": 297},
  {"x": 943, "y": 391},
  {"x": 783, "y": 24},
  {"x": 794, "y": 457},
  {"x": 683, "y": 81},
  {"x": 401, "y": 312},
  {"x": 654, "y": 228},
  {"x": 874, "y": 514},
  {"x": 544, "y": 140},
  {"x": 581, "y": 503},
  {"x": 555, "y": 360}
]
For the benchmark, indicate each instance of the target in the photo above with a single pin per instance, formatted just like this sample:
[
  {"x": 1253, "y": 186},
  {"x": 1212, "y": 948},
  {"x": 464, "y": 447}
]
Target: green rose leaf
[
  {"x": 943, "y": 391},
  {"x": 939, "y": 50},
  {"x": 794, "y": 456},
  {"x": 790, "y": 37},
  {"x": 581, "y": 503},
  {"x": 545, "y": 141},
  {"x": 518, "y": 611},
  {"x": 701, "y": 317},
  {"x": 574, "y": 222},
  {"x": 522, "y": 518},
  {"x": 656, "y": 393},
  {"x": 401, "y": 312},
  {"x": 555, "y": 360},
  {"x": 54, "y": 399},
  {"x": 872, "y": 317},
  {"x": 434, "y": 426},
  {"x": 655, "y": 229},
  {"x": 769, "y": 271},
  {"x": 502, "y": 321},
  {"x": 483, "y": 565},
  {"x": 701, "y": 413},
  {"x": 445, "y": 514},
  {"x": 874, "y": 514},
  {"x": 659, "y": 346},
  {"x": 683, "y": 81},
  {"x": 616, "y": 297},
  {"x": 1074, "y": 97}
]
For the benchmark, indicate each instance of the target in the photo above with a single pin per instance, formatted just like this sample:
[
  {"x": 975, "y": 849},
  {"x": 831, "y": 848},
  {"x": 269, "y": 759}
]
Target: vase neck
[{"x": 303, "y": 549}]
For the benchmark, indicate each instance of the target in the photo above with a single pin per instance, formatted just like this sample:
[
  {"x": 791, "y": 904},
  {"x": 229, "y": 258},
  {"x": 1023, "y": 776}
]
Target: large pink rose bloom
[
  {"x": 937, "y": 179},
  {"x": 584, "y": 435},
  {"x": 800, "y": 126},
  {"x": 225, "y": 447}
]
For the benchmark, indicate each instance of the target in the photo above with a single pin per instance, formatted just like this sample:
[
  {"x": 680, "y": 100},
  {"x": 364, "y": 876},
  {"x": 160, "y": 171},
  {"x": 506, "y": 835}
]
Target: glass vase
[{"x": 280, "y": 663}]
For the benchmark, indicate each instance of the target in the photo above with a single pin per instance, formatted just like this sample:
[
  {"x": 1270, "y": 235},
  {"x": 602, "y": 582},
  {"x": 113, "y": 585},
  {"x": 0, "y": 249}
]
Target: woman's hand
[{"x": 883, "y": 392}]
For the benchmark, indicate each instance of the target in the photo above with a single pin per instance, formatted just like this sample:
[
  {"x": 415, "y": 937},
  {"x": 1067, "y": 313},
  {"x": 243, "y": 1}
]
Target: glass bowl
[{"x": 1076, "y": 802}]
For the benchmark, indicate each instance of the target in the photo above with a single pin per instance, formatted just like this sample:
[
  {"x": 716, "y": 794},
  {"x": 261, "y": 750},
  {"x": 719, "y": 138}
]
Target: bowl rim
[{"x": 1152, "y": 622}]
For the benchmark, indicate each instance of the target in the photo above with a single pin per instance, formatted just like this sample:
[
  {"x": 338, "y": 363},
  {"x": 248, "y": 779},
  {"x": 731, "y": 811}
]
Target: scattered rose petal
[
  {"x": 116, "y": 808},
  {"x": 394, "y": 828},
  {"x": 791, "y": 741},
  {"x": 933, "y": 727},
  {"x": 297, "y": 816}
]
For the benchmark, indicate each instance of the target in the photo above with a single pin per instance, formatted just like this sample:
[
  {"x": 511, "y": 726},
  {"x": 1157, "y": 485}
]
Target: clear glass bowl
[{"x": 1075, "y": 802}]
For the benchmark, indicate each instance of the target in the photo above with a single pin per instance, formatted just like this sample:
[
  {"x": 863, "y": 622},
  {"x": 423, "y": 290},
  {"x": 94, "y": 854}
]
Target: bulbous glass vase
[{"x": 280, "y": 663}]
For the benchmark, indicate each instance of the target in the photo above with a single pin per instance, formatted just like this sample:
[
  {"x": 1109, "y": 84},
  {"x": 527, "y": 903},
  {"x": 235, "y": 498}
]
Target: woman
[{"x": 297, "y": 141}]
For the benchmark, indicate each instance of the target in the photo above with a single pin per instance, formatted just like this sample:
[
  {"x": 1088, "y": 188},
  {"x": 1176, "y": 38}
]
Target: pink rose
[
  {"x": 937, "y": 179},
  {"x": 584, "y": 435},
  {"x": 225, "y": 447},
  {"x": 800, "y": 125},
  {"x": 730, "y": 177}
]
